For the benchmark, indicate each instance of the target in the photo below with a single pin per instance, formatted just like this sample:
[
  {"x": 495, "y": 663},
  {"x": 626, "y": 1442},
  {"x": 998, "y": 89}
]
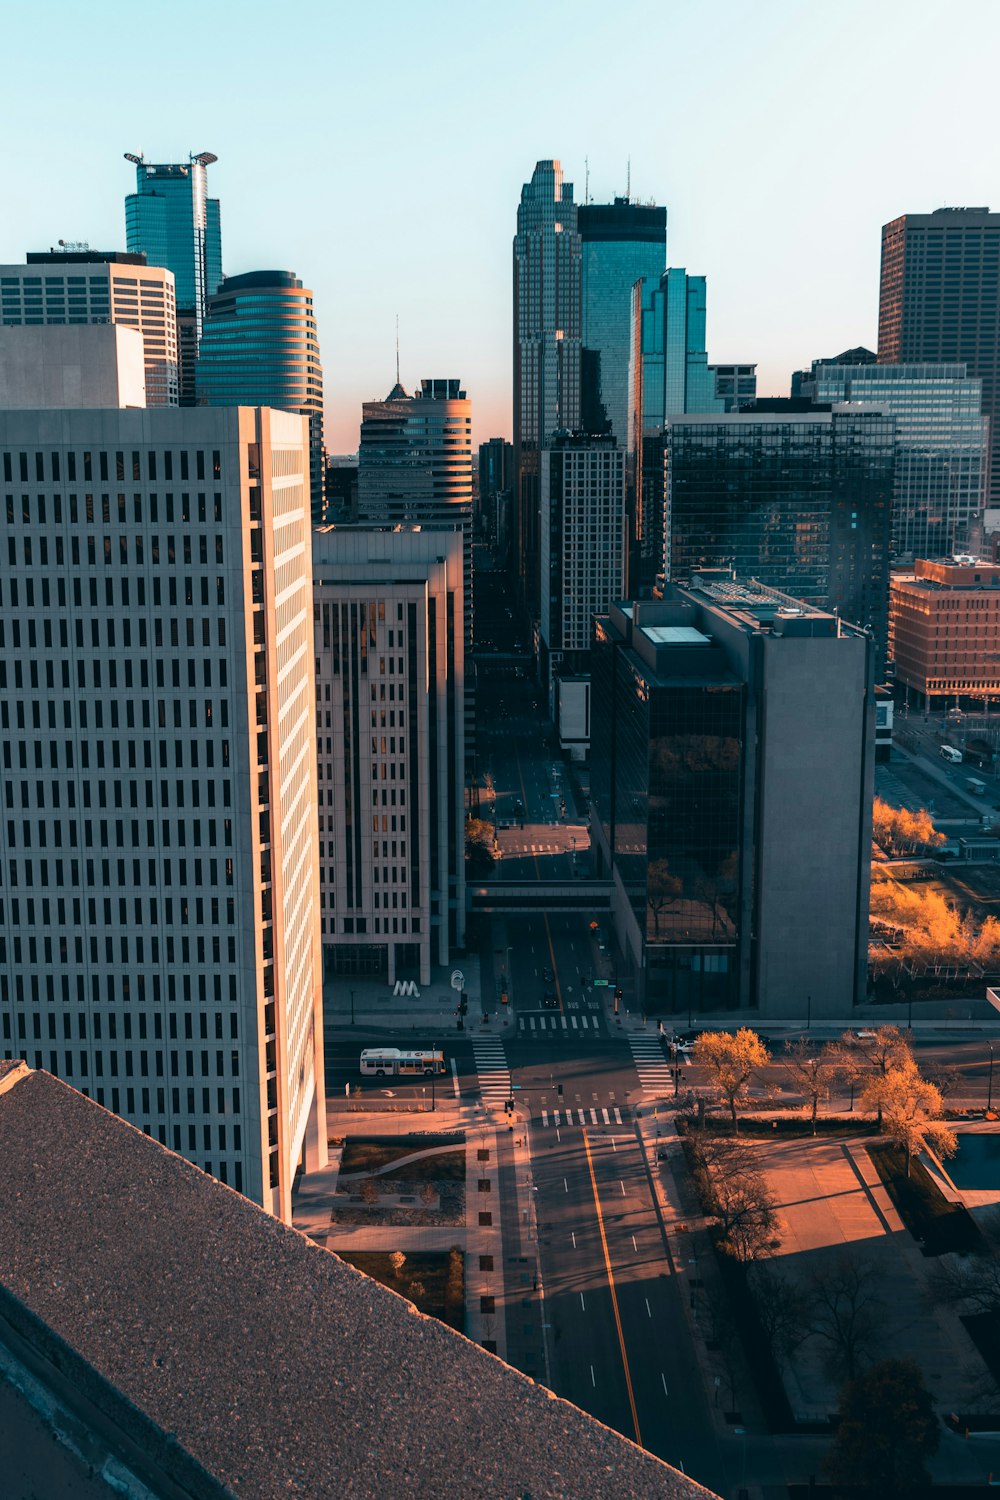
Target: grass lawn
[
  {"x": 434, "y": 1281},
  {"x": 927, "y": 1214},
  {"x": 369, "y": 1155}
]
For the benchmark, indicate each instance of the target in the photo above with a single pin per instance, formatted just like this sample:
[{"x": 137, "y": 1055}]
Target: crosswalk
[
  {"x": 597, "y": 1116},
  {"x": 570, "y": 1022},
  {"x": 491, "y": 1066},
  {"x": 650, "y": 1063}
]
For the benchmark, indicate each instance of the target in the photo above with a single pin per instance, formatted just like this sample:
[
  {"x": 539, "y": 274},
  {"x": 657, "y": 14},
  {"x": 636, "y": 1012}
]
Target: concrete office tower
[
  {"x": 100, "y": 286},
  {"x": 260, "y": 347},
  {"x": 620, "y": 243},
  {"x": 732, "y": 763},
  {"x": 942, "y": 447},
  {"x": 390, "y": 659},
  {"x": 546, "y": 347},
  {"x": 734, "y": 384},
  {"x": 71, "y": 367},
  {"x": 582, "y": 545},
  {"x": 668, "y": 374},
  {"x": 171, "y": 217},
  {"x": 939, "y": 302},
  {"x": 159, "y": 935},
  {"x": 801, "y": 500}
]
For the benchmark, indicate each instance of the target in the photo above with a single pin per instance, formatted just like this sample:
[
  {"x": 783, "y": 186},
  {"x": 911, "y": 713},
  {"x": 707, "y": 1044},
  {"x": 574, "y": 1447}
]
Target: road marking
[
  {"x": 664, "y": 1379},
  {"x": 648, "y": 1313},
  {"x": 582, "y": 1303},
  {"x": 574, "y": 1020},
  {"x": 614, "y": 1294},
  {"x": 607, "y": 1117},
  {"x": 555, "y": 1117},
  {"x": 618, "y": 1117},
  {"x": 531, "y": 1022},
  {"x": 622, "y": 1186},
  {"x": 545, "y": 1117},
  {"x": 613, "y": 1146},
  {"x": 593, "y": 1115},
  {"x": 592, "y": 1379},
  {"x": 635, "y": 1247},
  {"x": 573, "y": 1236},
  {"x": 454, "y": 1077},
  {"x": 558, "y": 1136},
  {"x": 565, "y": 1185}
]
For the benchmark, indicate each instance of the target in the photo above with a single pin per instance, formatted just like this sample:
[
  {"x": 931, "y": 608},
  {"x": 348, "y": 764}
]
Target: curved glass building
[{"x": 260, "y": 347}]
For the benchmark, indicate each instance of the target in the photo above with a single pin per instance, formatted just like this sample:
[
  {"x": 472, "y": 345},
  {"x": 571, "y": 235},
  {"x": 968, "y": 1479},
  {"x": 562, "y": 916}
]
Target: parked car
[{"x": 550, "y": 1000}]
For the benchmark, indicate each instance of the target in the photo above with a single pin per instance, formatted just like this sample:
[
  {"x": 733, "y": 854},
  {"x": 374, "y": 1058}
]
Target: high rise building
[
  {"x": 668, "y": 374},
  {"x": 800, "y": 500},
  {"x": 100, "y": 286},
  {"x": 260, "y": 347},
  {"x": 944, "y": 631},
  {"x": 389, "y": 652},
  {"x": 159, "y": 932},
  {"x": 942, "y": 447},
  {"x": 547, "y": 326},
  {"x": 620, "y": 243},
  {"x": 732, "y": 756},
  {"x": 171, "y": 217},
  {"x": 804, "y": 381},
  {"x": 939, "y": 302},
  {"x": 496, "y": 473},
  {"x": 734, "y": 385},
  {"x": 582, "y": 545}
]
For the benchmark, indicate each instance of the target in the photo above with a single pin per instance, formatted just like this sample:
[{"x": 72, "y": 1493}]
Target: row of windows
[
  {"x": 83, "y": 465},
  {"x": 175, "y": 987},
  {"x": 206, "y": 1024}
]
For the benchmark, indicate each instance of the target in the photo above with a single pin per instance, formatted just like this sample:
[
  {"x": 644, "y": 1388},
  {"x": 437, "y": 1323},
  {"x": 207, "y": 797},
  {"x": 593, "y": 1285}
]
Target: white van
[{"x": 949, "y": 753}]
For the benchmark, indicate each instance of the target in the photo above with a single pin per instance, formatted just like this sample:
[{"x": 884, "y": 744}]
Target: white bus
[{"x": 402, "y": 1061}]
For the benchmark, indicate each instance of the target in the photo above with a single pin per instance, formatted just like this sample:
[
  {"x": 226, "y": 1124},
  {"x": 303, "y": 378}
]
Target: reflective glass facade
[
  {"x": 939, "y": 301},
  {"x": 801, "y": 502},
  {"x": 621, "y": 243},
  {"x": 260, "y": 347},
  {"x": 941, "y": 447}
]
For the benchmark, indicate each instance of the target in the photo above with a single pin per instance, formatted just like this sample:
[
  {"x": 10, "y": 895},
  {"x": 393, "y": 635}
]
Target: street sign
[
  {"x": 601, "y": 983},
  {"x": 457, "y": 979}
]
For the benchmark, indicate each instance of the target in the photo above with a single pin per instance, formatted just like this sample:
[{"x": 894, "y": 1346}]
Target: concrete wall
[{"x": 60, "y": 366}]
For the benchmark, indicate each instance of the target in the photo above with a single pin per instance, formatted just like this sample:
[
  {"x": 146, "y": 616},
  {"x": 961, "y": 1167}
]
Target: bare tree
[
  {"x": 812, "y": 1072},
  {"x": 847, "y": 1314},
  {"x": 731, "y": 1061},
  {"x": 734, "y": 1191},
  {"x": 781, "y": 1307}
]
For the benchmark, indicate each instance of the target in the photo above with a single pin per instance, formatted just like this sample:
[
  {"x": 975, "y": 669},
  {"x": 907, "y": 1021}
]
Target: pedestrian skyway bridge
[{"x": 501, "y": 896}]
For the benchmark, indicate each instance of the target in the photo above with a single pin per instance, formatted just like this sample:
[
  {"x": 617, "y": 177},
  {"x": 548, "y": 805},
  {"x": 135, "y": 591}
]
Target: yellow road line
[{"x": 614, "y": 1295}]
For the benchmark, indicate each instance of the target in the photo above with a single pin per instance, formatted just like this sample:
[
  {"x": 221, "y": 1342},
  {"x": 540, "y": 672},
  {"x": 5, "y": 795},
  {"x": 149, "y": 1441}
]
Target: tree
[
  {"x": 812, "y": 1072},
  {"x": 861, "y": 1058},
  {"x": 731, "y": 1061},
  {"x": 478, "y": 846},
  {"x": 887, "y": 1429},
  {"x": 661, "y": 889},
  {"x": 782, "y": 1308},
  {"x": 846, "y": 1313},
  {"x": 734, "y": 1191},
  {"x": 909, "y": 1109},
  {"x": 899, "y": 831},
  {"x": 397, "y": 1261}
]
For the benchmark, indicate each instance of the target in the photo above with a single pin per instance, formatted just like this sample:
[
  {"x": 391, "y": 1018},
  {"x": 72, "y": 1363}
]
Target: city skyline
[{"x": 807, "y": 216}]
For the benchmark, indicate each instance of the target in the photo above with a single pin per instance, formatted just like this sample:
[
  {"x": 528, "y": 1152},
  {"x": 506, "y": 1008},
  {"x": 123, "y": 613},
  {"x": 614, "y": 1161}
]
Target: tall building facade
[
  {"x": 942, "y": 447},
  {"x": 547, "y": 343},
  {"x": 583, "y": 544},
  {"x": 734, "y": 385},
  {"x": 159, "y": 927},
  {"x": 173, "y": 220},
  {"x": 389, "y": 652},
  {"x": 714, "y": 761},
  {"x": 944, "y": 631},
  {"x": 620, "y": 243},
  {"x": 668, "y": 374},
  {"x": 496, "y": 474},
  {"x": 939, "y": 302},
  {"x": 799, "y": 500},
  {"x": 95, "y": 286},
  {"x": 260, "y": 347}
]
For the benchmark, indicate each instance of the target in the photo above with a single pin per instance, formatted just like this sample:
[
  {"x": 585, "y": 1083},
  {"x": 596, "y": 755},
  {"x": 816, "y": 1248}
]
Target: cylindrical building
[{"x": 260, "y": 347}]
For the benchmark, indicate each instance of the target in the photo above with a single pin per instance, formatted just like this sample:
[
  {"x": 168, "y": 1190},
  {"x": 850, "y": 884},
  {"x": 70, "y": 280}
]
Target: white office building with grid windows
[{"x": 159, "y": 932}]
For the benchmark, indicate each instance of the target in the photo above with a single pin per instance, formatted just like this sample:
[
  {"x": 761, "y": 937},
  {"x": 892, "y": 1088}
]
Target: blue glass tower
[{"x": 172, "y": 219}]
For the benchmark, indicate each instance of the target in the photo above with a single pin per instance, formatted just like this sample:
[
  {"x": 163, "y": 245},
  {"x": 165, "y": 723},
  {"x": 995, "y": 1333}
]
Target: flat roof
[
  {"x": 676, "y": 635},
  {"x": 229, "y": 1345}
]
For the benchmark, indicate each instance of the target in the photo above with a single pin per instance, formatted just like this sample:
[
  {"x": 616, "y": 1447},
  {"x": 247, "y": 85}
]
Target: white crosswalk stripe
[
  {"x": 558, "y": 1023},
  {"x": 491, "y": 1066},
  {"x": 651, "y": 1063},
  {"x": 576, "y": 1116}
]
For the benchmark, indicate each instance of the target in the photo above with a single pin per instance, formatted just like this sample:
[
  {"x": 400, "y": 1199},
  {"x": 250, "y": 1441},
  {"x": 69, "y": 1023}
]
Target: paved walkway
[{"x": 399, "y": 1161}]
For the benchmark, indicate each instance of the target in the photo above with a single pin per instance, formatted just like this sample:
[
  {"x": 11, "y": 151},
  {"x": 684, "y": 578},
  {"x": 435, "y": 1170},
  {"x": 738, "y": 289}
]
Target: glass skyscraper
[
  {"x": 260, "y": 347},
  {"x": 942, "y": 447},
  {"x": 801, "y": 501},
  {"x": 546, "y": 346},
  {"x": 939, "y": 300},
  {"x": 620, "y": 243},
  {"x": 171, "y": 217},
  {"x": 669, "y": 374}
]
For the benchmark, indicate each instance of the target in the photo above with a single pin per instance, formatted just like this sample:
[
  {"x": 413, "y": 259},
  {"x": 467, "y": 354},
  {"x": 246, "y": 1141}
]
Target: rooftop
[{"x": 234, "y": 1357}]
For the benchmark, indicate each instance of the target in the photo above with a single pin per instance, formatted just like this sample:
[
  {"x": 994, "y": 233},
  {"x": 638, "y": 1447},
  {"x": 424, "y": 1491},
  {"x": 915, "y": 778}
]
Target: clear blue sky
[{"x": 378, "y": 150}]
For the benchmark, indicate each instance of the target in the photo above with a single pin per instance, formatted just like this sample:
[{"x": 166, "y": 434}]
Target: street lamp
[
  {"x": 989, "y": 1100},
  {"x": 352, "y": 1007}
]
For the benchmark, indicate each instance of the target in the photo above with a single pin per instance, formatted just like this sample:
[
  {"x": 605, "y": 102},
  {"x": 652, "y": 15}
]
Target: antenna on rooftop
[
  {"x": 586, "y": 179},
  {"x": 628, "y": 182},
  {"x": 397, "y": 348}
]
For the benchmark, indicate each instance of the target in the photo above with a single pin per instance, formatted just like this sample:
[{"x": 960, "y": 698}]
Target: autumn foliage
[
  {"x": 935, "y": 930},
  {"x": 899, "y": 831}
]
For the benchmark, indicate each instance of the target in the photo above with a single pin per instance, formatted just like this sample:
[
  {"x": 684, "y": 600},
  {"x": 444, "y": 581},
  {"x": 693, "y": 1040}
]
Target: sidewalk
[{"x": 431, "y": 1011}]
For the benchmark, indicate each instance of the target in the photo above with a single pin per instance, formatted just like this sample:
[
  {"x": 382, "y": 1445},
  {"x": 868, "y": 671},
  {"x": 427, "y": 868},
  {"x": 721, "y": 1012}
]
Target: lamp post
[
  {"x": 434, "y": 1072},
  {"x": 809, "y": 1012},
  {"x": 989, "y": 1099},
  {"x": 352, "y": 1007}
]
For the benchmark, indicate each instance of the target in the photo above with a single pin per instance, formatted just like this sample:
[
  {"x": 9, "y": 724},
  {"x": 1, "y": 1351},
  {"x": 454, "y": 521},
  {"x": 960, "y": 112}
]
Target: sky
[{"x": 379, "y": 152}]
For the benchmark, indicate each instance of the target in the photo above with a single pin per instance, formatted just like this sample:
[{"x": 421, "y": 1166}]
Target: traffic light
[
  {"x": 463, "y": 1004},
  {"x": 503, "y": 997}
]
